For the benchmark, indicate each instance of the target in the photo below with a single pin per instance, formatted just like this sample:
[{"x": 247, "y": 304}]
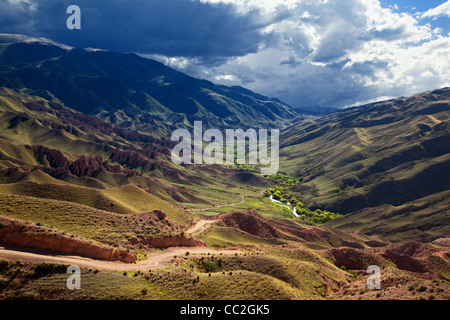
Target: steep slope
[
  {"x": 41, "y": 140},
  {"x": 133, "y": 92},
  {"x": 383, "y": 156}
]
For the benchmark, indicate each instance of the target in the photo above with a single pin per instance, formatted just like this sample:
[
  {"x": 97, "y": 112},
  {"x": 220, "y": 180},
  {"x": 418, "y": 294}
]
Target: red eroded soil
[
  {"x": 405, "y": 262},
  {"x": 34, "y": 237},
  {"x": 250, "y": 222},
  {"x": 415, "y": 256},
  {"x": 353, "y": 259}
]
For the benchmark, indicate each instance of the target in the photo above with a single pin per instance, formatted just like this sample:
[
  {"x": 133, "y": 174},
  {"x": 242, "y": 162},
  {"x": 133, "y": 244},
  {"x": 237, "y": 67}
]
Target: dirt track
[
  {"x": 201, "y": 226},
  {"x": 155, "y": 261}
]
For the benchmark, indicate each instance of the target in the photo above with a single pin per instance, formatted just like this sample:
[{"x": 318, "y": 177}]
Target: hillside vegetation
[{"x": 378, "y": 161}]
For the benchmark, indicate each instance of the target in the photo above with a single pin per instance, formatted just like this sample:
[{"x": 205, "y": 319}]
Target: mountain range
[{"x": 130, "y": 91}]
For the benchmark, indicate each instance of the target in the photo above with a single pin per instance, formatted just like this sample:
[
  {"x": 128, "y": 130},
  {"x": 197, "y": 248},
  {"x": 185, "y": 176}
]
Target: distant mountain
[
  {"x": 390, "y": 158},
  {"x": 316, "y": 111},
  {"x": 130, "y": 91}
]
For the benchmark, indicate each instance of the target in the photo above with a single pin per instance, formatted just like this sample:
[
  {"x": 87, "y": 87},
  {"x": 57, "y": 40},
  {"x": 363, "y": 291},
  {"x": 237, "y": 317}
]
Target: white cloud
[
  {"x": 443, "y": 9},
  {"x": 338, "y": 53},
  {"x": 304, "y": 52},
  {"x": 26, "y": 4}
]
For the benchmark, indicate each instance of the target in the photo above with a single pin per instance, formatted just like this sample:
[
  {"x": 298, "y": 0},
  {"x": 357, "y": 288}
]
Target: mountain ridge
[
  {"x": 379, "y": 158},
  {"x": 134, "y": 92}
]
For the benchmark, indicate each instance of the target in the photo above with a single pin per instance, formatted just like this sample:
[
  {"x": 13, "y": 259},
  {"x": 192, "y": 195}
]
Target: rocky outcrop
[
  {"x": 35, "y": 237},
  {"x": 54, "y": 163},
  {"x": 88, "y": 166}
]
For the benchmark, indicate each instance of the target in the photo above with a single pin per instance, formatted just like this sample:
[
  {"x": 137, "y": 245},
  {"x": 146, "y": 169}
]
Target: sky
[{"x": 335, "y": 53}]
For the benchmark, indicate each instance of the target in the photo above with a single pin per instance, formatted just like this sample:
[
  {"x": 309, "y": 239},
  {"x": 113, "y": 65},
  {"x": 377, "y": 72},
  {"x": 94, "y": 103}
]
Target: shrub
[
  {"x": 422, "y": 289},
  {"x": 44, "y": 268},
  {"x": 4, "y": 264},
  {"x": 209, "y": 266}
]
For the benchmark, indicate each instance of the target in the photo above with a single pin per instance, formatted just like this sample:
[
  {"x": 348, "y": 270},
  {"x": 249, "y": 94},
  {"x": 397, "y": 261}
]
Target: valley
[{"x": 86, "y": 178}]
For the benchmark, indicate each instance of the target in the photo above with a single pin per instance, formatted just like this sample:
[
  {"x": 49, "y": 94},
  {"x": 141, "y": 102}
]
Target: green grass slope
[{"x": 387, "y": 153}]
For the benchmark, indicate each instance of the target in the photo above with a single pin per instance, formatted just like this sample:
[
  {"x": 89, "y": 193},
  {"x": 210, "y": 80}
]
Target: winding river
[{"x": 285, "y": 205}]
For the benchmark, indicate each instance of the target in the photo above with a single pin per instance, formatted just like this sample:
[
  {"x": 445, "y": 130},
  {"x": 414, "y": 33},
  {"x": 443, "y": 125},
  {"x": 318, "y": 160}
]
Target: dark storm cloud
[
  {"x": 333, "y": 53},
  {"x": 169, "y": 27}
]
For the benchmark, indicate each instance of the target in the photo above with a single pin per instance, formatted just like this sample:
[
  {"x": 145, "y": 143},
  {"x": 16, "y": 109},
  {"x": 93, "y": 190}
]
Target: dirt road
[
  {"x": 156, "y": 260},
  {"x": 200, "y": 226}
]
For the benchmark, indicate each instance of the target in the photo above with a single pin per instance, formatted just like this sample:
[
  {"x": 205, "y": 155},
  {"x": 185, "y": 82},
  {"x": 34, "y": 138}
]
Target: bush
[
  {"x": 3, "y": 284},
  {"x": 44, "y": 268},
  {"x": 209, "y": 266},
  {"x": 422, "y": 289},
  {"x": 4, "y": 264}
]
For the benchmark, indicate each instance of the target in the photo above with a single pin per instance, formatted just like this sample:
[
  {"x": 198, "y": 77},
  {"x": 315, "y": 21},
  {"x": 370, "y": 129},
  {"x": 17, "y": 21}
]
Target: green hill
[{"x": 388, "y": 153}]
